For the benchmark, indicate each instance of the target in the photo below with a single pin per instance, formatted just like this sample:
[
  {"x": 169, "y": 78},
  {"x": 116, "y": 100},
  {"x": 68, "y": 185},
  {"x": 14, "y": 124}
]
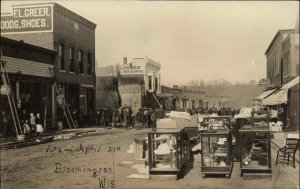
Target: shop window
[
  {"x": 72, "y": 60},
  {"x": 61, "y": 55},
  {"x": 90, "y": 99},
  {"x": 183, "y": 103},
  {"x": 150, "y": 82},
  {"x": 82, "y": 100},
  {"x": 80, "y": 61},
  {"x": 89, "y": 64}
]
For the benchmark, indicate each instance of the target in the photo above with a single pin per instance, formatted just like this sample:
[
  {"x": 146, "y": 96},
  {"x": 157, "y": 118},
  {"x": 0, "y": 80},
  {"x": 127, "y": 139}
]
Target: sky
[{"x": 192, "y": 40}]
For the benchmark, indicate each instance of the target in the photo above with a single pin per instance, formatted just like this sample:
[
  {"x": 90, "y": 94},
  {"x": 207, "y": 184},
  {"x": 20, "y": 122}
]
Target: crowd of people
[
  {"x": 223, "y": 111},
  {"x": 146, "y": 117},
  {"x": 124, "y": 117}
]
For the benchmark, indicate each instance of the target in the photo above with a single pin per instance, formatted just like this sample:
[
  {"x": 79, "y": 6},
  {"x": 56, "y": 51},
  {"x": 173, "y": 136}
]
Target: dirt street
[{"x": 94, "y": 162}]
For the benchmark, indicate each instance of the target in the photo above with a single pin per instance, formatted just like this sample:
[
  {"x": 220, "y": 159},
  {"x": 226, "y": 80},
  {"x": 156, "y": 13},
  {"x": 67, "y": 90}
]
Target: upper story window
[
  {"x": 61, "y": 55},
  {"x": 72, "y": 60},
  {"x": 89, "y": 64},
  {"x": 80, "y": 61}
]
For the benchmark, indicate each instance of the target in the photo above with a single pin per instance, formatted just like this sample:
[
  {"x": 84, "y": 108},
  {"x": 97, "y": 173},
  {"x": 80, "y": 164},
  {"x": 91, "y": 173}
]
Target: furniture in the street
[
  {"x": 216, "y": 122},
  {"x": 216, "y": 156},
  {"x": 168, "y": 151},
  {"x": 286, "y": 154},
  {"x": 255, "y": 149}
]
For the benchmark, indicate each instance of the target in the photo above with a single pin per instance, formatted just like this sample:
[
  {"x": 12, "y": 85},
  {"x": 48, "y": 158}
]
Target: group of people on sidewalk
[
  {"x": 34, "y": 126},
  {"x": 31, "y": 124}
]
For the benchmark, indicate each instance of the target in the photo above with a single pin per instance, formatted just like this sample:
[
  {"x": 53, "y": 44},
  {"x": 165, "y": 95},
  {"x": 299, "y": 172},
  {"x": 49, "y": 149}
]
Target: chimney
[{"x": 125, "y": 60}]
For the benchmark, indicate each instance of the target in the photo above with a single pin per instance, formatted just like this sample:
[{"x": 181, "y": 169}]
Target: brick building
[{"x": 73, "y": 38}]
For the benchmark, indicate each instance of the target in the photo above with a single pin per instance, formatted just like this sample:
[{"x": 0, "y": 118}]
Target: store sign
[
  {"x": 86, "y": 86},
  {"x": 131, "y": 69},
  {"x": 28, "y": 20}
]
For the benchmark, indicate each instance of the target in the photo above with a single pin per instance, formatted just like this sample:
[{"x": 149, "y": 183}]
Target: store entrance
[{"x": 33, "y": 98}]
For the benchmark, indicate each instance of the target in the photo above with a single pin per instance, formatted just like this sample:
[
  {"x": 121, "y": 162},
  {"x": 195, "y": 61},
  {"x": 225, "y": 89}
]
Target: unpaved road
[{"x": 87, "y": 163}]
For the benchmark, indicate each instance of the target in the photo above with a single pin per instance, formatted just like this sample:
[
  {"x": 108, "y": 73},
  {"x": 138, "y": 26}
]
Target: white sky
[{"x": 192, "y": 40}]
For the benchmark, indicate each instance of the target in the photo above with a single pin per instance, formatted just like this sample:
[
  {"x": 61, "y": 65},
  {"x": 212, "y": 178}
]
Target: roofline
[
  {"x": 21, "y": 42},
  {"x": 30, "y": 4},
  {"x": 81, "y": 17},
  {"x": 275, "y": 37},
  {"x": 58, "y": 5}
]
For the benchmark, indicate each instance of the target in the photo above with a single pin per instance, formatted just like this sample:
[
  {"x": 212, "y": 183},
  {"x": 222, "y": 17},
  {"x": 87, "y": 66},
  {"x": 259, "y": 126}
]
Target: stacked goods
[{"x": 276, "y": 126}]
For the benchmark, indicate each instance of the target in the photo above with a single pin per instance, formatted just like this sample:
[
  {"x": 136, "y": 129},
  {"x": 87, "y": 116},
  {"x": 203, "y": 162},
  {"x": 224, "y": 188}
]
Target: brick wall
[{"x": 72, "y": 31}]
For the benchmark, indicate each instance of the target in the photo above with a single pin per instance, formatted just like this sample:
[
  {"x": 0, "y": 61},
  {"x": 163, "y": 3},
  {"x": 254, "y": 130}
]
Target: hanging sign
[{"x": 29, "y": 19}]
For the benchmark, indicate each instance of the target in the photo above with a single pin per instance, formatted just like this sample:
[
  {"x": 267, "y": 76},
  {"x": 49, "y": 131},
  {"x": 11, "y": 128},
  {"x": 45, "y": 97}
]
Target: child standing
[{"x": 27, "y": 129}]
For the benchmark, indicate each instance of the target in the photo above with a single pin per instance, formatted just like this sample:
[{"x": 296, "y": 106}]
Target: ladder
[
  {"x": 155, "y": 98},
  {"x": 64, "y": 105},
  {"x": 10, "y": 97}
]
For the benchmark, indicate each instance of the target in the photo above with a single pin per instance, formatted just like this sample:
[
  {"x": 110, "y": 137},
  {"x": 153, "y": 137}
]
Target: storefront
[
  {"x": 286, "y": 99},
  {"x": 72, "y": 39},
  {"x": 139, "y": 83},
  {"x": 30, "y": 80},
  {"x": 80, "y": 99}
]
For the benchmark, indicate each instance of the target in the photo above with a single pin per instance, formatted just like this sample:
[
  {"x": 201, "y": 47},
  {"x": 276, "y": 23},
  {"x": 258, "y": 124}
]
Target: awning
[
  {"x": 277, "y": 98},
  {"x": 265, "y": 94},
  {"x": 281, "y": 96},
  {"x": 292, "y": 83},
  {"x": 27, "y": 67}
]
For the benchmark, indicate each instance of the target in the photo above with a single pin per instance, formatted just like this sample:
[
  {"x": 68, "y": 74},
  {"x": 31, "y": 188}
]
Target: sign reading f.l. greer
[{"x": 28, "y": 19}]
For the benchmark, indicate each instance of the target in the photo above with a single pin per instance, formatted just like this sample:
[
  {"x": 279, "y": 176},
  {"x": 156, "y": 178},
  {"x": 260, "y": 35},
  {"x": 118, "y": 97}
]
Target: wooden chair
[{"x": 286, "y": 154}]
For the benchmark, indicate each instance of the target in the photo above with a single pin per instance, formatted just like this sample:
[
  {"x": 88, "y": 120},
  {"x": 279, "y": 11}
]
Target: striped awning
[
  {"x": 265, "y": 94},
  {"x": 277, "y": 98},
  {"x": 281, "y": 95}
]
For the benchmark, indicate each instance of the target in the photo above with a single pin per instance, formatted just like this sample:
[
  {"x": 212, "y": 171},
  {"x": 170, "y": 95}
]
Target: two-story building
[
  {"x": 30, "y": 80},
  {"x": 274, "y": 57},
  {"x": 283, "y": 75},
  {"x": 129, "y": 84},
  {"x": 52, "y": 26}
]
